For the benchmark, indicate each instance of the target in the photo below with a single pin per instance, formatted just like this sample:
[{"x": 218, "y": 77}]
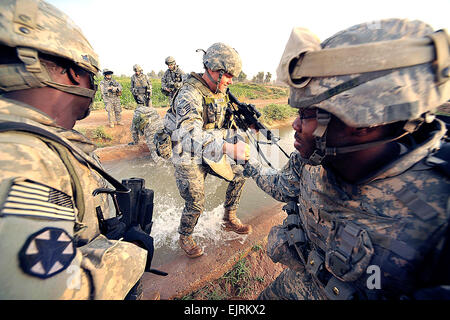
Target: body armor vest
[{"x": 340, "y": 244}]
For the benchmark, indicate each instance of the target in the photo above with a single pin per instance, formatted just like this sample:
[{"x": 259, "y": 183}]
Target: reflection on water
[{"x": 169, "y": 204}]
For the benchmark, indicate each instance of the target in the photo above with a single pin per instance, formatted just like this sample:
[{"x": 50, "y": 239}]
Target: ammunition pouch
[
  {"x": 163, "y": 144},
  {"x": 141, "y": 90}
]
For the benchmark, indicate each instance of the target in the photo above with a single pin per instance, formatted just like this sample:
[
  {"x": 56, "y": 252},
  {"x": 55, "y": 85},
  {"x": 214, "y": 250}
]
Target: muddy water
[{"x": 169, "y": 204}]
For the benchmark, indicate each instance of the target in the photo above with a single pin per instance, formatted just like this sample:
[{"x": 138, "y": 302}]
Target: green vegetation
[
  {"x": 273, "y": 112},
  {"x": 239, "y": 282},
  {"x": 126, "y": 99},
  {"x": 258, "y": 91},
  {"x": 240, "y": 90}
]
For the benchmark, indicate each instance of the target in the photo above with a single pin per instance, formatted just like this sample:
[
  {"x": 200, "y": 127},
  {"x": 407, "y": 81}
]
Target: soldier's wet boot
[
  {"x": 190, "y": 247},
  {"x": 232, "y": 223}
]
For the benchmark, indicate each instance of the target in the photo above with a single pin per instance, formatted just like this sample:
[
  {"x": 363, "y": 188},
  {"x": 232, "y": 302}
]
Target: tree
[
  {"x": 152, "y": 74},
  {"x": 268, "y": 77},
  {"x": 160, "y": 74},
  {"x": 259, "y": 78},
  {"x": 242, "y": 77}
]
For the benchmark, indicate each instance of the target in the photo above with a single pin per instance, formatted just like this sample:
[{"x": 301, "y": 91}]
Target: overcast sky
[{"x": 129, "y": 32}]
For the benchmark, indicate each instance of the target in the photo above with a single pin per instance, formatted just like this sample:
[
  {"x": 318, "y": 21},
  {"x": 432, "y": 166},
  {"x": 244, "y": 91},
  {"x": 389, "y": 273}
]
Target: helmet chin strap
[
  {"x": 321, "y": 150},
  {"x": 216, "y": 82}
]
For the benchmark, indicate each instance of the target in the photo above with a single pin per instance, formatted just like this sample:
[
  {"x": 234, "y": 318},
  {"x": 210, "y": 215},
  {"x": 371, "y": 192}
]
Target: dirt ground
[{"x": 259, "y": 269}]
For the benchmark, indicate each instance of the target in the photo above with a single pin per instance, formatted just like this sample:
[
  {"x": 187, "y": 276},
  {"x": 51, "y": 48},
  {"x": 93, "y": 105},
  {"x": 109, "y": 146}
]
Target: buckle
[
  {"x": 339, "y": 290},
  {"x": 314, "y": 263}
]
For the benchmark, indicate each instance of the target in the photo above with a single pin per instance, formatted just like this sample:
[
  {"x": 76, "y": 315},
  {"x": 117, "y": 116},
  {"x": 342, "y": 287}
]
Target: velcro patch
[
  {"x": 33, "y": 199},
  {"x": 47, "y": 252}
]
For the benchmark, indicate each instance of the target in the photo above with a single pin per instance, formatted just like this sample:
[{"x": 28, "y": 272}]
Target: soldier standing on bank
[
  {"x": 198, "y": 129},
  {"x": 172, "y": 79},
  {"x": 111, "y": 91},
  {"x": 50, "y": 241},
  {"x": 141, "y": 87},
  {"x": 367, "y": 193}
]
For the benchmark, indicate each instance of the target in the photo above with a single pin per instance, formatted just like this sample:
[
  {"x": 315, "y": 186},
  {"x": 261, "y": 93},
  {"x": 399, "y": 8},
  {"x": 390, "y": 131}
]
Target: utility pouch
[
  {"x": 339, "y": 290},
  {"x": 211, "y": 110},
  {"x": 163, "y": 144},
  {"x": 349, "y": 251}
]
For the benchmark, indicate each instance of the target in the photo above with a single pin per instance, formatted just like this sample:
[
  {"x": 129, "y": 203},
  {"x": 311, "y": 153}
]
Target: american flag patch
[{"x": 33, "y": 199}]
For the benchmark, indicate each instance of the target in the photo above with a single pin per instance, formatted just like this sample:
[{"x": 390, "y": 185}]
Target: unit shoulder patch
[{"x": 47, "y": 252}]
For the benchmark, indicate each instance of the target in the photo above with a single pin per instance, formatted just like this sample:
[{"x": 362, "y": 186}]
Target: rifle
[{"x": 246, "y": 116}]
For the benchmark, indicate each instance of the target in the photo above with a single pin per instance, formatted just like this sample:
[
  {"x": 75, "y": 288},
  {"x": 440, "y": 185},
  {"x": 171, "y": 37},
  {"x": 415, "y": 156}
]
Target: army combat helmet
[
  {"x": 368, "y": 75},
  {"x": 136, "y": 68},
  {"x": 223, "y": 58},
  {"x": 107, "y": 71},
  {"x": 35, "y": 27},
  {"x": 170, "y": 60}
]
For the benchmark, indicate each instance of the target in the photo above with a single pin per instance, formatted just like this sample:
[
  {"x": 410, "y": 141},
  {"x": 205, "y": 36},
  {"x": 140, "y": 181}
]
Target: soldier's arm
[
  {"x": 194, "y": 139},
  {"x": 42, "y": 257},
  {"x": 283, "y": 185}
]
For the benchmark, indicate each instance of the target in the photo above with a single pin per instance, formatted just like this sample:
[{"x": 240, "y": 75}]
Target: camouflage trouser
[
  {"x": 292, "y": 285},
  {"x": 114, "y": 109},
  {"x": 190, "y": 181}
]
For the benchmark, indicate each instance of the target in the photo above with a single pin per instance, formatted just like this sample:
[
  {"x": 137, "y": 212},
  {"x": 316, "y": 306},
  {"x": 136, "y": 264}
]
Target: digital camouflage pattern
[
  {"x": 115, "y": 266},
  {"x": 141, "y": 88},
  {"x": 111, "y": 91},
  {"x": 190, "y": 180},
  {"x": 146, "y": 121},
  {"x": 171, "y": 81},
  {"x": 396, "y": 219},
  {"x": 200, "y": 122},
  {"x": 220, "y": 56},
  {"x": 36, "y": 27},
  {"x": 403, "y": 94},
  {"x": 325, "y": 202}
]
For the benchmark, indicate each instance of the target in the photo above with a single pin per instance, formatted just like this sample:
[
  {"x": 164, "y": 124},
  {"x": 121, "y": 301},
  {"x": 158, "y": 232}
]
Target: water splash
[{"x": 208, "y": 231}]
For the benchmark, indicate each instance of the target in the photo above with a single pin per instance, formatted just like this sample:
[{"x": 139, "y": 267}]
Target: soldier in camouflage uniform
[
  {"x": 145, "y": 116},
  {"x": 50, "y": 243},
  {"x": 146, "y": 121},
  {"x": 172, "y": 79},
  {"x": 199, "y": 129},
  {"x": 111, "y": 91},
  {"x": 368, "y": 203},
  {"x": 141, "y": 87}
]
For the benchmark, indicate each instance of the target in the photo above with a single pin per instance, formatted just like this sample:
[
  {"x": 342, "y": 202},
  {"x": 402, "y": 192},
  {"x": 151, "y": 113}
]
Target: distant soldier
[
  {"x": 141, "y": 87},
  {"x": 146, "y": 121},
  {"x": 145, "y": 116},
  {"x": 172, "y": 79},
  {"x": 51, "y": 246},
  {"x": 111, "y": 91}
]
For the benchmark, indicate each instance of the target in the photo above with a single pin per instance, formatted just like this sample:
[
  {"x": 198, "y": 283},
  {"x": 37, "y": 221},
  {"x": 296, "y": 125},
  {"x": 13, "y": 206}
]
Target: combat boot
[
  {"x": 190, "y": 247},
  {"x": 232, "y": 223}
]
